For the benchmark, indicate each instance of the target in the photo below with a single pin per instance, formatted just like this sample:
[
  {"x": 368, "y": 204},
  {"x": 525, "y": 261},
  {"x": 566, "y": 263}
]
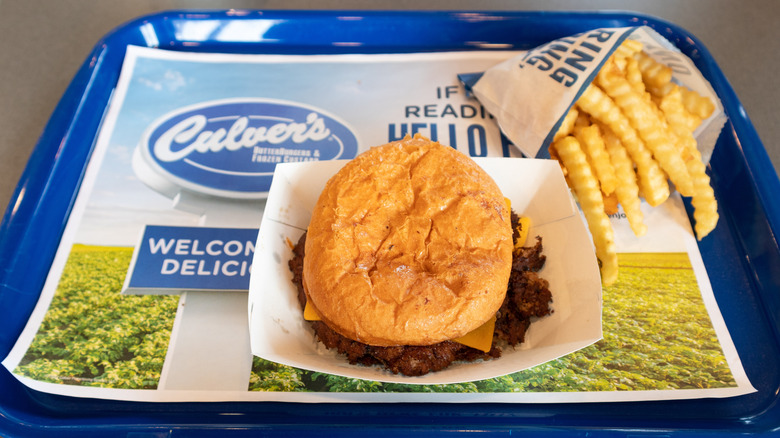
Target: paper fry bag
[{"x": 530, "y": 94}]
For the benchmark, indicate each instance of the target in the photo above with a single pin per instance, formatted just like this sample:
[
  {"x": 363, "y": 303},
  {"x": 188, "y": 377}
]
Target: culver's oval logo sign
[{"x": 229, "y": 148}]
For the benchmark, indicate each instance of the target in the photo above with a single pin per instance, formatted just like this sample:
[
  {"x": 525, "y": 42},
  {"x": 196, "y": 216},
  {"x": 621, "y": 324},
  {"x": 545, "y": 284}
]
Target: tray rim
[{"x": 66, "y": 117}]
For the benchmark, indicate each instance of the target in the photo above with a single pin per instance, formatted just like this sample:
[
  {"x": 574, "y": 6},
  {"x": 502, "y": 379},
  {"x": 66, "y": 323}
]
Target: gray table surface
[{"x": 43, "y": 43}]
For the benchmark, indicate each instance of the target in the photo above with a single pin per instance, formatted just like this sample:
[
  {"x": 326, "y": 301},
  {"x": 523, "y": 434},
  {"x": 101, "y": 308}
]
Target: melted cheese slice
[
  {"x": 522, "y": 227},
  {"x": 481, "y": 338},
  {"x": 310, "y": 313}
]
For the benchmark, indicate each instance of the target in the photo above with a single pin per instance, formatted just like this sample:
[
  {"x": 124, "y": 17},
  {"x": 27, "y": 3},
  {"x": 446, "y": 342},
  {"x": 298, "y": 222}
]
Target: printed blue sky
[{"x": 120, "y": 204}]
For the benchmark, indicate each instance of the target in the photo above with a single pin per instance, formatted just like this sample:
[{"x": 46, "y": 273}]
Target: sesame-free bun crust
[{"x": 410, "y": 243}]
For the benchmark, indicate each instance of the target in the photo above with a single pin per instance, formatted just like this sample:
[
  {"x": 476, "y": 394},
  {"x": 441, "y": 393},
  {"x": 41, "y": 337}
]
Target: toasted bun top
[{"x": 409, "y": 244}]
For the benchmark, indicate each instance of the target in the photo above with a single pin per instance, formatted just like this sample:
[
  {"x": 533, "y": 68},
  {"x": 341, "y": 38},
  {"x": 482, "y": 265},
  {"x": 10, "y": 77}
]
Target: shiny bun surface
[{"x": 410, "y": 243}]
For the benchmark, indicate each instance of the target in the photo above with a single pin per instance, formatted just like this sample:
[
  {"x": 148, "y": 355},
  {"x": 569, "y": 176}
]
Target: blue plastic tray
[{"x": 741, "y": 256}]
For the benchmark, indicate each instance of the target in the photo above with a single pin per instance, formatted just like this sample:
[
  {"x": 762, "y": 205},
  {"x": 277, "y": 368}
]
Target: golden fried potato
[
  {"x": 627, "y": 190},
  {"x": 593, "y": 145},
  {"x": 567, "y": 125},
  {"x": 628, "y": 48},
  {"x": 655, "y": 75},
  {"x": 672, "y": 104},
  {"x": 652, "y": 180},
  {"x": 634, "y": 76},
  {"x": 610, "y": 203},
  {"x": 644, "y": 118},
  {"x": 586, "y": 187},
  {"x": 697, "y": 104},
  {"x": 705, "y": 206},
  {"x": 630, "y": 130}
]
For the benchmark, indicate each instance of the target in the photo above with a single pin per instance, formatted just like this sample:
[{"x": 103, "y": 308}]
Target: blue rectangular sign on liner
[{"x": 169, "y": 260}]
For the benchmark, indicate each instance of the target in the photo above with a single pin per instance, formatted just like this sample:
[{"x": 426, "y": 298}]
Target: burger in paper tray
[
  {"x": 624, "y": 112},
  {"x": 404, "y": 265}
]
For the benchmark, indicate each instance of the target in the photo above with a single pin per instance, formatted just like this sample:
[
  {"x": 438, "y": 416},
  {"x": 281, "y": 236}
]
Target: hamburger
[{"x": 410, "y": 251}]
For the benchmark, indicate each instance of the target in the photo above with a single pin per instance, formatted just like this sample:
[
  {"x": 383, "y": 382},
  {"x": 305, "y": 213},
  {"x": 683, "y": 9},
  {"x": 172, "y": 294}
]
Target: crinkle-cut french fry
[
  {"x": 651, "y": 128},
  {"x": 593, "y": 145},
  {"x": 628, "y": 48},
  {"x": 634, "y": 76},
  {"x": 652, "y": 180},
  {"x": 586, "y": 188},
  {"x": 705, "y": 207},
  {"x": 696, "y": 103},
  {"x": 610, "y": 203},
  {"x": 567, "y": 124},
  {"x": 616, "y": 63},
  {"x": 654, "y": 74},
  {"x": 554, "y": 156},
  {"x": 680, "y": 121},
  {"x": 659, "y": 92},
  {"x": 583, "y": 119},
  {"x": 627, "y": 190},
  {"x": 672, "y": 104}
]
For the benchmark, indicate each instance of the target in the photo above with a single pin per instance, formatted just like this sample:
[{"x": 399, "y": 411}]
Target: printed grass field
[
  {"x": 657, "y": 335},
  {"x": 94, "y": 336}
]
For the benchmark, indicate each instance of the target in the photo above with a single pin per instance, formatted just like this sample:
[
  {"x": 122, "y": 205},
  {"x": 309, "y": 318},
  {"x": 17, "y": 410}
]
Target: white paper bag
[{"x": 530, "y": 94}]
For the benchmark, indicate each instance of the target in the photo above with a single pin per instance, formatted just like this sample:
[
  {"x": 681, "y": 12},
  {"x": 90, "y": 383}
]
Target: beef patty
[{"x": 528, "y": 296}]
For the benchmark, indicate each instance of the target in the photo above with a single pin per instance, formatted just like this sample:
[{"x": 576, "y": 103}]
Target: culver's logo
[{"x": 229, "y": 148}]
